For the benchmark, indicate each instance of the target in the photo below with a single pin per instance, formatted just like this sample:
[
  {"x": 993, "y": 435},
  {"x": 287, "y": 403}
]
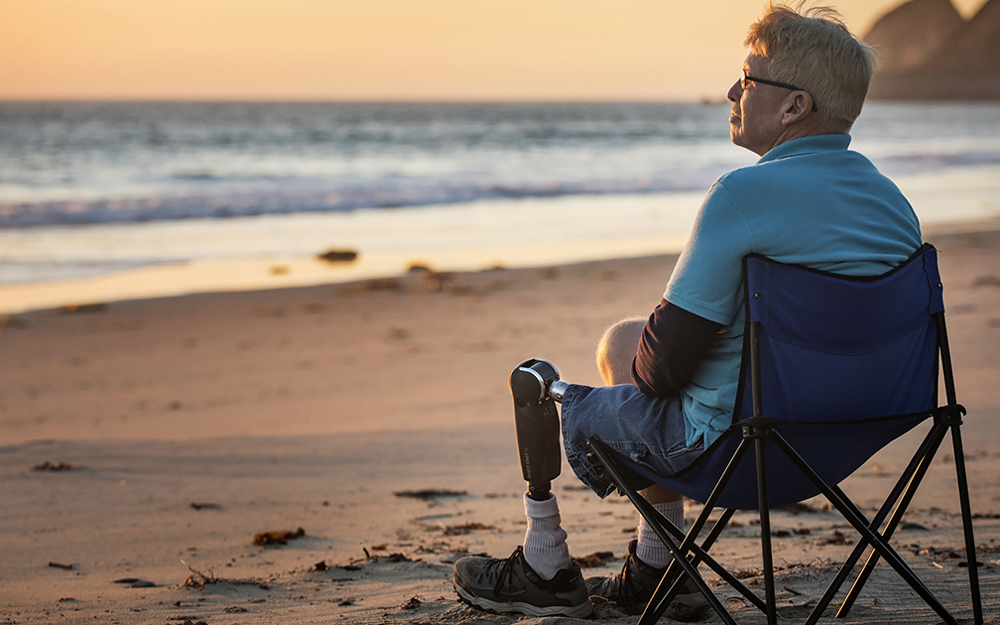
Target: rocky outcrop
[
  {"x": 913, "y": 33},
  {"x": 928, "y": 52}
]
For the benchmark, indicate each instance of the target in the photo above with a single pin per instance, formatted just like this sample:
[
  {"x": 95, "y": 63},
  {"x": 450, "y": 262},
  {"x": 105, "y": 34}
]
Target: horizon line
[{"x": 416, "y": 100}]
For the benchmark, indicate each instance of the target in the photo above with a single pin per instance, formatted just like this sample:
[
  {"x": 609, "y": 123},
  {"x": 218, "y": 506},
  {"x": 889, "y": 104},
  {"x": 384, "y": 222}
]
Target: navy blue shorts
[{"x": 648, "y": 430}]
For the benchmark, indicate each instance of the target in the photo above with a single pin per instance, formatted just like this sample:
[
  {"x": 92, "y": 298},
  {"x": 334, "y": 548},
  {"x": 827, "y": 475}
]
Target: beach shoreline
[
  {"x": 313, "y": 406},
  {"x": 538, "y": 249}
]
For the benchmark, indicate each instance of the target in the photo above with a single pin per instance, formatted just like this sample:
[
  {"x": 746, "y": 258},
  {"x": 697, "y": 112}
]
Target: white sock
[
  {"x": 650, "y": 549},
  {"x": 545, "y": 542}
]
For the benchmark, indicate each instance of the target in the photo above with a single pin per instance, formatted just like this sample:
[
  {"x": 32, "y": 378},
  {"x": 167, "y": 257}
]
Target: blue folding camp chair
[{"x": 834, "y": 368}]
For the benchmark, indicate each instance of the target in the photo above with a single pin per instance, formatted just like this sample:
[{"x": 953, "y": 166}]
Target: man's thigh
[{"x": 648, "y": 430}]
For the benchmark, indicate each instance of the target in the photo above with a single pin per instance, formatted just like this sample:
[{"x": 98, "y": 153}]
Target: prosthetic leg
[{"x": 536, "y": 387}]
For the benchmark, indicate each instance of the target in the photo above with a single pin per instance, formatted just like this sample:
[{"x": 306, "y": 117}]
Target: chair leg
[
  {"x": 644, "y": 509},
  {"x": 700, "y": 555},
  {"x": 665, "y": 592},
  {"x": 860, "y": 524},
  {"x": 765, "y": 533},
  {"x": 658, "y": 602},
  {"x": 900, "y": 496},
  {"x": 963, "y": 485},
  {"x": 650, "y": 513},
  {"x": 970, "y": 541},
  {"x": 661, "y": 603},
  {"x": 913, "y": 475}
]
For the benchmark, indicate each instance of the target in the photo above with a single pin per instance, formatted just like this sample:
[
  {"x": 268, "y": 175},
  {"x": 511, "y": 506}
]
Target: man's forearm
[{"x": 673, "y": 344}]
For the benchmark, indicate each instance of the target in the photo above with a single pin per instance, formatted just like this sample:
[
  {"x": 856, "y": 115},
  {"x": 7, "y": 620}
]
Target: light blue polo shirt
[{"x": 809, "y": 201}]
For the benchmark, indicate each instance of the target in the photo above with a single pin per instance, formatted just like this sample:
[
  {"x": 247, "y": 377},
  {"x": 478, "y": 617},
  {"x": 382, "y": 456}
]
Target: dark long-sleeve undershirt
[{"x": 673, "y": 344}]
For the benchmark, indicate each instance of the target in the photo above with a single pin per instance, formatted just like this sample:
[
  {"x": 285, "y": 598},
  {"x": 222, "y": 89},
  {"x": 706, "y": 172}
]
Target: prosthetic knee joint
[{"x": 536, "y": 387}]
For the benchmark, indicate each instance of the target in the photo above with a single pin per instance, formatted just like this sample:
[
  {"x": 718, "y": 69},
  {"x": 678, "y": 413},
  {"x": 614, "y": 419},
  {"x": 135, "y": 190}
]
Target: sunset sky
[{"x": 382, "y": 49}]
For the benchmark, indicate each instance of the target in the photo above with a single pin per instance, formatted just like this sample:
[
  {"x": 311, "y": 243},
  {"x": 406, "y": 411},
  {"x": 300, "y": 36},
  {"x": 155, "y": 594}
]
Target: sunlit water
[{"x": 90, "y": 190}]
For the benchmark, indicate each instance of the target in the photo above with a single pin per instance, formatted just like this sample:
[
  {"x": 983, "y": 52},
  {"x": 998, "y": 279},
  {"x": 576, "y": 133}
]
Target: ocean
[{"x": 95, "y": 189}]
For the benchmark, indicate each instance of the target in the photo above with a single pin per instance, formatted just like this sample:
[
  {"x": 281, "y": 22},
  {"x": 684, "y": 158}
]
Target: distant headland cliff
[{"x": 929, "y": 52}]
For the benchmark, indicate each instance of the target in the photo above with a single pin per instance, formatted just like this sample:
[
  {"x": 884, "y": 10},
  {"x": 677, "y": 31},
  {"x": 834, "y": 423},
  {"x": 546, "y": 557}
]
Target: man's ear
[{"x": 797, "y": 106}]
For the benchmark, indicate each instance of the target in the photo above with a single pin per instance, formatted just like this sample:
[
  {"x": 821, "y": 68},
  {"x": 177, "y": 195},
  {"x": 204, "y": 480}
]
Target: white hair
[{"x": 814, "y": 50}]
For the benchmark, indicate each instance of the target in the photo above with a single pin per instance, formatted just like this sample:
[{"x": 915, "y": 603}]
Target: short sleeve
[{"x": 708, "y": 276}]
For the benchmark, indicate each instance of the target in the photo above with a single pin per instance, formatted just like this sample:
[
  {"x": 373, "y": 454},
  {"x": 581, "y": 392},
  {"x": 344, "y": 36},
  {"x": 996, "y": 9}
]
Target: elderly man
[{"x": 673, "y": 377}]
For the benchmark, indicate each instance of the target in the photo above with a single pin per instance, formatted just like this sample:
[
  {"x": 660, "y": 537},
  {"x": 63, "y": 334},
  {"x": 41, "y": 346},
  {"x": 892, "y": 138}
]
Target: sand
[{"x": 312, "y": 407}]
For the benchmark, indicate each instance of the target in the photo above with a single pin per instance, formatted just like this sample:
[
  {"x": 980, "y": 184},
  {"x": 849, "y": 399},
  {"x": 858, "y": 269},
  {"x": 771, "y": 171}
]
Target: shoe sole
[{"x": 582, "y": 610}]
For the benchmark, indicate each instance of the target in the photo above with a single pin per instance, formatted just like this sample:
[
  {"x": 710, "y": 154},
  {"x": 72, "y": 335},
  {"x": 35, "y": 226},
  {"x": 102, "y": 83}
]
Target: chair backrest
[
  {"x": 847, "y": 365},
  {"x": 836, "y": 349}
]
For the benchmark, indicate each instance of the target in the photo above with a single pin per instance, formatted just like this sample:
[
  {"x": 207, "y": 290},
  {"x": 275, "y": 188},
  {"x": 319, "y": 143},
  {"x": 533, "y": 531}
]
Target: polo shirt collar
[{"x": 807, "y": 145}]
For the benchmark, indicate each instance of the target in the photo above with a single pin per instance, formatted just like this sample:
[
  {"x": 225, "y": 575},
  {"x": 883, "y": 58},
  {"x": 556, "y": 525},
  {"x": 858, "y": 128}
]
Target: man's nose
[{"x": 735, "y": 92}]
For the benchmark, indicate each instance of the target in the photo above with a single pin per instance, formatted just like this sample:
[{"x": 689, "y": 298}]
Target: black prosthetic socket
[{"x": 537, "y": 423}]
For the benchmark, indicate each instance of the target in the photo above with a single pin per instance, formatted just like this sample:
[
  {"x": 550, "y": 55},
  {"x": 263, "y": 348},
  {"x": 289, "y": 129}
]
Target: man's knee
[{"x": 617, "y": 348}]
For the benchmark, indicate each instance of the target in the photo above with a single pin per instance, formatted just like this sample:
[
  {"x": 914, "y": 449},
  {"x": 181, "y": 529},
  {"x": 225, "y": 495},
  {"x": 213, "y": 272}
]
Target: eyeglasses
[{"x": 784, "y": 85}]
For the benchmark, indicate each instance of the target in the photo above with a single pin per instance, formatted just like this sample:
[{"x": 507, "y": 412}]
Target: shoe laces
[
  {"x": 625, "y": 590},
  {"x": 630, "y": 588},
  {"x": 506, "y": 572}
]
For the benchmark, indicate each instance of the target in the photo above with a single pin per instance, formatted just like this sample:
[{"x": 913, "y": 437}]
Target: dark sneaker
[
  {"x": 511, "y": 585},
  {"x": 634, "y": 587}
]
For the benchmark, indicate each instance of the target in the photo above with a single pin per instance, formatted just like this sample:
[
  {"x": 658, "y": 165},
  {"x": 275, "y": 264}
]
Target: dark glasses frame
[{"x": 784, "y": 85}]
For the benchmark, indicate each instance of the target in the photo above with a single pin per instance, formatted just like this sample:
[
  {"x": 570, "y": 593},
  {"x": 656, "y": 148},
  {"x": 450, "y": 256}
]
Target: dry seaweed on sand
[
  {"x": 135, "y": 582},
  {"x": 417, "y": 601},
  {"x": 60, "y": 565},
  {"x": 392, "y": 557},
  {"x": 427, "y": 494},
  {"x": 793, "y": 570},
  {"x": 199, "y": 505},
  {"x": 75, "y": 309},
  {"x": 338, "y": 256},
  {"x": 798, "y": 531},
  {"x": 396, "y": 557},
  {"x": 466, "y": 528},
  {"x": 836, "y": 538},
  {"x": 7, "y": 321},
  {"x": 598, "y": 558},
  {"x": 375, "y": 284},
  {"x": 277, "y": 537},
  {"x": 799, "y": 508},
  {"x": 199, "y": 580},
  {"x": 989, "y": 280},
  {"x": 52, "y": 466}
]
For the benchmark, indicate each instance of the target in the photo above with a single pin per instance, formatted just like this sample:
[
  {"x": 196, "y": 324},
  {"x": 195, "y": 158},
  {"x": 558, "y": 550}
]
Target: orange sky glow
[{"x": 382, "y": 49}]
